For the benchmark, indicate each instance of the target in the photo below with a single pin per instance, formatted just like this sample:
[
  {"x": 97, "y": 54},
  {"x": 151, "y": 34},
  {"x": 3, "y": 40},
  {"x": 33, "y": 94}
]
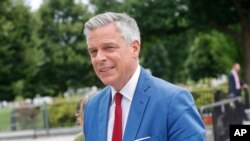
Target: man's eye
[
  {"x": 110, "y": 48},
  {"x": 92, "y": 52}
]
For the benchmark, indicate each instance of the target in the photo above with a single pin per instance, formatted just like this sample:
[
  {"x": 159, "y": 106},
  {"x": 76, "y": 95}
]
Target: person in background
[
  {"x": 134, "y": 106},
  {"x": 79, "y": 119},
  {"x": 234, "y": 83},
  {"x": 80, "y": 115}
]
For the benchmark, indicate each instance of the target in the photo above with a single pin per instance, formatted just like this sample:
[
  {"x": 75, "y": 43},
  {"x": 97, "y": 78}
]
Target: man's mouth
[{"x": 105, "y": 69}]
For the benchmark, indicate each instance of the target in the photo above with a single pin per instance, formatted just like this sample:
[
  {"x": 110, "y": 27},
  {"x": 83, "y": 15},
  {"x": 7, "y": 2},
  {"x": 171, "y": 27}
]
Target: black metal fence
[{"x": 218, "y": 116}]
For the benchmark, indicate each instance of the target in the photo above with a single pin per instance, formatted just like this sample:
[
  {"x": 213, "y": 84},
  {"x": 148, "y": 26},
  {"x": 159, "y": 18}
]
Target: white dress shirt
[
  {"x": 127, "y": 92},
  {"x": 237, "y": 79}
]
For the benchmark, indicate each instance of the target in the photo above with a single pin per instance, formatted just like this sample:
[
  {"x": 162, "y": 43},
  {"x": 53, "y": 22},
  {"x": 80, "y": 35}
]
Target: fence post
[
  {"x": 33, "y": 118},
  {"x": 218, "y": 123},
  {"x": 13, "y": 121},
  {"x": 246, "y": 98},
  {"x": 46, "y": 118}
]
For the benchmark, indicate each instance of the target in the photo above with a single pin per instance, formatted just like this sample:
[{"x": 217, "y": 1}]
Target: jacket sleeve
[{"x": 185, "y": 123}]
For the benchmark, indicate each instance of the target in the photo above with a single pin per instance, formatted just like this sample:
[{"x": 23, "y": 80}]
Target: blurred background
[{"x": 45, "y": 68}]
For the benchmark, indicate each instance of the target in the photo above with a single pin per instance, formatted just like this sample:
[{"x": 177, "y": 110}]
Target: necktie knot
[{"x": 118, "y": 98}]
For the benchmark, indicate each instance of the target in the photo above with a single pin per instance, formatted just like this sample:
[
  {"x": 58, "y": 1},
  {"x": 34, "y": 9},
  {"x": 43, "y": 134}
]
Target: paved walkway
[
  {"x": 52, "y": 138},
  {"x": 59, "y": 134}
]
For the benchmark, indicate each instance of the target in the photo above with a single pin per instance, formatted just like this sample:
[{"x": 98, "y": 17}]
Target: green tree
[
  {"x": 67, "y": 61},
  {"x": 100, "y": 6},
  {"x": 231, "y": 17},
  {"x": 15, "y": 37},
  {"x": 162, "y": 25},
  {"x": 166, "y": 22},
  {"x": 158, "y": 64},
  {"x": 209, "y": 56}
]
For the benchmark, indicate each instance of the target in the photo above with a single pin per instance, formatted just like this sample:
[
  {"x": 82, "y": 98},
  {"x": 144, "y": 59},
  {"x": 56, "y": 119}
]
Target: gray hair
[{"x": 125, "y": 24}]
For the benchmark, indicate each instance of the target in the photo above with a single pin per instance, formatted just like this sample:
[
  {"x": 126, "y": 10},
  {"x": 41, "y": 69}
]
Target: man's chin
[{"x": 106, "y": 82}]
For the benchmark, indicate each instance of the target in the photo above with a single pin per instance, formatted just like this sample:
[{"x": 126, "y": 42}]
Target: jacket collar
[
  {"x": 103, "y": 114},
  {"x": 138, "y": 106}
]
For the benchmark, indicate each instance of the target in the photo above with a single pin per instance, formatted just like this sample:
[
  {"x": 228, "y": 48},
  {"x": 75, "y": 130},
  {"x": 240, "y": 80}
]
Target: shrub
[{"x": 62, "y": 113}]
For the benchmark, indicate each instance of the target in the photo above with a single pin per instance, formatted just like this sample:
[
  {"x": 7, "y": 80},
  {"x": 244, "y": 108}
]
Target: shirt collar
[
  {"x": 234, "y": 71},
  {"x": 129, "y": 89}
]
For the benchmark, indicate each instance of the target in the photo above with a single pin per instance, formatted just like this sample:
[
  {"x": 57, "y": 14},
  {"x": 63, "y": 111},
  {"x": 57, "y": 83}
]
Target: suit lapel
[
  {"x": 138, "y": 107},
  {"x": 103, "y": 115}
]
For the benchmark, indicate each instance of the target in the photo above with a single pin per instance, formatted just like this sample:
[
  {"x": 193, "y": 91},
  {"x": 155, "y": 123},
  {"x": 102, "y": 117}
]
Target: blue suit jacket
[{"x": 159, "y": 110}]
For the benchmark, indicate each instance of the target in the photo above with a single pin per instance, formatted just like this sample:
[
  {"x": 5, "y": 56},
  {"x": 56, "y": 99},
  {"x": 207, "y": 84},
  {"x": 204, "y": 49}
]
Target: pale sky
[{"x": 34, "y": 4}]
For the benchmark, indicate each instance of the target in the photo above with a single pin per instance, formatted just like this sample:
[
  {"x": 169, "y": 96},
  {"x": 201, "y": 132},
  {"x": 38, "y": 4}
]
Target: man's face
[
  {"x": 237, "y": 67},
  {"x": 114, "y": 60}
]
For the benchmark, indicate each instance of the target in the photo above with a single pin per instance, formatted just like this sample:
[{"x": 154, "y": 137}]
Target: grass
[
  {"x": 66, "y": 110},
  {"x": 5, "y": 119}
]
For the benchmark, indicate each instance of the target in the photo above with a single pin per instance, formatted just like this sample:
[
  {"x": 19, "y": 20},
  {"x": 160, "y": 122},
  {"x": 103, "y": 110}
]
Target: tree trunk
[{"x": 246, "y": 43}]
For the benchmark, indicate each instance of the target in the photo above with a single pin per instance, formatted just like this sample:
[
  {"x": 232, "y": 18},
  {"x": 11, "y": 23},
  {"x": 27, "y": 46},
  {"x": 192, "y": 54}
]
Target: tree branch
[
  {"x": 235, "y": 35},
  {"x": 242, "y": 11},
  {"x": 171, "y": 31},
  {"x": 244, "y": 21}
]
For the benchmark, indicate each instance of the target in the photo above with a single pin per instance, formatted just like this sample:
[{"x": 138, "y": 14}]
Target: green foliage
[
  {"x": 177, "y": 47},
  {"x": 204, "y": 99},
  {"x": 204, "y": 94},
  {"x": 209, "y": 56},
  {"x": 62, "y": 113},
  {"x": 158, "y": 64},
  {"x": 64, "y": 47},
  {"x": 44, "y": 52},
  {"x": 5, "y": 114},
  {"x": 230, "y": 17},
  {"x": 15, "y": 37},
  {"x": 163, "y": 25},
  {"x": 160, "y": 22},
  {"x": 203, "y": 12}
]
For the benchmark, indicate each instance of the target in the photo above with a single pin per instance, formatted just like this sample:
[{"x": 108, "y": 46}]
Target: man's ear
[{"x": 136, "y": 46}]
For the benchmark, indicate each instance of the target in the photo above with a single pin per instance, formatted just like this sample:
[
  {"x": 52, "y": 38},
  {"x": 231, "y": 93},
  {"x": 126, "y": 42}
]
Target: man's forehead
[{"x": 103, "y": 44}]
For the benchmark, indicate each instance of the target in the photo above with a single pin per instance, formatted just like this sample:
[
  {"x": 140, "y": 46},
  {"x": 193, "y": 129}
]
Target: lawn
[{"x": 5, "y": 116}]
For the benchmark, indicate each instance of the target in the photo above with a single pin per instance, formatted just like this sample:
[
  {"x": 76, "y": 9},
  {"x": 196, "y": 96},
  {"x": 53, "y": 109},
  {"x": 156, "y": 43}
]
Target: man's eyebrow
[
  {"x": 104, "y": 44},
  {"x": 110, "y": 44},
  {"x": 91, "y": 48}
]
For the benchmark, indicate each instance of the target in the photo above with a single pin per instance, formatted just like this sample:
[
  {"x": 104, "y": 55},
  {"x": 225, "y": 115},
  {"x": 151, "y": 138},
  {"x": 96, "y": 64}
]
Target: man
[
  {"x": 234, "y": 84},
  {"x": 134, "y": 106}
]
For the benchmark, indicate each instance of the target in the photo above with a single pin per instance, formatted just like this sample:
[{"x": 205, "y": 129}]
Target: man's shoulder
[
  {"x": 166, "y": 92},
  {"x": 99, "y": 95},
  {"x": 162, "y": 89},
  {"x": 163, "y": 84},
  {"x": 230, "y": 76},
  {"x": 159, "y": 84}
]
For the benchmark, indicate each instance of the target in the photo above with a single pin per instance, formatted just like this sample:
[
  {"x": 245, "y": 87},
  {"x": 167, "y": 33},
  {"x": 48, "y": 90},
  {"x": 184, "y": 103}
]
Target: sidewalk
[
  {"x": 51, "y": 138},
  {"x": 57, "y": 134}
]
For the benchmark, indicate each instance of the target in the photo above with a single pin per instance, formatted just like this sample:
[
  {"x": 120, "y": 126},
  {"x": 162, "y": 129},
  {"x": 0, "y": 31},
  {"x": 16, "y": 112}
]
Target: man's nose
[{"x": 100, "y": 56}]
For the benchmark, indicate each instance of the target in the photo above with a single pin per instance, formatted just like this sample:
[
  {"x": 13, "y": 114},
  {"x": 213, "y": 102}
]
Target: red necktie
[{"x": 117, "y": 130}]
